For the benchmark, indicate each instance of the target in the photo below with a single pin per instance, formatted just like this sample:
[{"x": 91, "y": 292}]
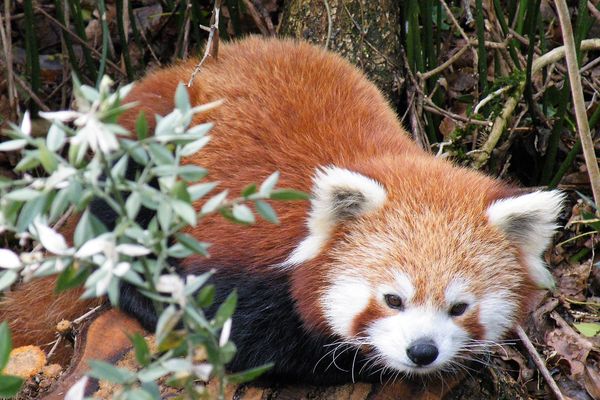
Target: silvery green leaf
[
  {"x": 242, "y": 213},
  {"x": 191, "y": 173},
  {"x": 266, "y": 211},
  {"x": 167, "y": 125},
  {"x": 177, "y": 365},
  {"x": 160, "y": 154},
  {"x": 30, "y": 161},
  {"x": 59, "y": 204},
  {"x": 56, "y": 138},
  {"x": 133, "y": 277},
  {"x": 77, "y": 391},
  {"x": 201, "y": 189},
  {"x": 179, "y": 251},
  {"x": 200, "y": 129},
  {"x": 166, "y": 322},
  {"x": 195, "y": 146},
  {"x": 94, "y": 246},
  {"x": 7, "y": 278},
  {"x": 214, "y": 202},
  {"x": 89, "y": 93},
  {"x": 268, "y": 184},
  {"x": 152, "y": 373},
  {"x": 30, "y": 211},
  {"x": 52, "y": 241},
  {"x": 108, "y": 372},
  {"x": 182, "y": 98},
  {"x": 117, "y": 129},
  {"x": 24, "y": 194},
  {"x": 132, "y": 250},
  {"x": 164, "y": 215},
  {"x": 120, "y": 167},
  {"x": 26, "y": 124},
  {"x": 9, "y": 259},
  {"x": 185, "y": 211},
  {"x": 62, "y": 116},
  {"x": 133, "y": 205},
  {"x": 193, "y": 283},
  {"x": 207, "y": 106},
  {"x": 47, "y": 158},
  {"x": 12, "y": 145}
]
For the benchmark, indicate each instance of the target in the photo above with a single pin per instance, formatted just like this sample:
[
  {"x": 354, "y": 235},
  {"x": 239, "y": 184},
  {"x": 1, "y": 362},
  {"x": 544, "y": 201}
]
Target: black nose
[{"x": 422, "y": 352}]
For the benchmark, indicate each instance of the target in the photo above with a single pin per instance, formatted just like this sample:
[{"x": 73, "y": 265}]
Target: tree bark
[{"x": 366, "y": 32}]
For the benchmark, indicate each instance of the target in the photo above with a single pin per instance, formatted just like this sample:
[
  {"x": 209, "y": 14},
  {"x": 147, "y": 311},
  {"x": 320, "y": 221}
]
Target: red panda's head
[{"x": 420, "y": 268}]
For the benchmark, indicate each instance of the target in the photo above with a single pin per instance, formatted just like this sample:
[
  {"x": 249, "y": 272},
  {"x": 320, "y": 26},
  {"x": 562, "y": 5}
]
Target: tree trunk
[{"x": 366, "y": 32}]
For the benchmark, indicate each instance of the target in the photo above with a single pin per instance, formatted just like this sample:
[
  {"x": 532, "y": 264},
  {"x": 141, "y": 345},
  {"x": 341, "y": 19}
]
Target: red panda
[{"x": 401, "y": 262}]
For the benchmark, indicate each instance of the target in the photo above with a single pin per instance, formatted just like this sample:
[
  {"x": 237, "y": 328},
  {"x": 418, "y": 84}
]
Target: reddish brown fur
[{"x": 272, "y": 119}]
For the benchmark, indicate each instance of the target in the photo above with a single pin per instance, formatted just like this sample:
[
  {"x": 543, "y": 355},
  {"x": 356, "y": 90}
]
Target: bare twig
[
  {"x": 460, "y": 30},
  {"x": 432, "y": 107},
  {"x": 256, "y": 17},
  {"x": 329, "y": 23},
  {"x": 583, "y": 125},
  {"x": 593, "y": 10},
  {"x": 80, "y": 40},
  {"x": 212, "y": 43},
  {"x": 31, "y": 94},
  {"x": 5, "y": 37},
  {"x": 426, "y": 75},
  {"x": 483, "y": 154},
  {"x": 539, "y": 362}
]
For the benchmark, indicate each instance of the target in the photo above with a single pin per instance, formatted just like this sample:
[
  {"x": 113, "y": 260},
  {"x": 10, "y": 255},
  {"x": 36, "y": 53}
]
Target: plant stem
[{"x": 578, "y": 100}]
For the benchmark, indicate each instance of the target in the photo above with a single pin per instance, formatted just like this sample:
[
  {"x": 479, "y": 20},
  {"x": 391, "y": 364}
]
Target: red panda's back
[{"x": 289, "y": 107}]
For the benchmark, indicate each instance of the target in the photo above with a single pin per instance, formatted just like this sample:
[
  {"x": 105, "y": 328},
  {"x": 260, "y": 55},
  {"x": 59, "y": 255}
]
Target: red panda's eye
[
  {"x": 394, "y": 301},
  {"x": 458, "y": 309}
]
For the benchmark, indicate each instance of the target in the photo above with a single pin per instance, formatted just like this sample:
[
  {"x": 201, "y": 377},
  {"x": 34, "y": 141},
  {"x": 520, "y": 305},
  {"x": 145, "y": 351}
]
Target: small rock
[
  {"x": 25, "y": 361},
  {"x": 52, "y": 371}
]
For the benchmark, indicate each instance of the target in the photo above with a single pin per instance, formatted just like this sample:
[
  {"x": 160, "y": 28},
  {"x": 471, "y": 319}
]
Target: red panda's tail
[{"x": 33, "y": 311}]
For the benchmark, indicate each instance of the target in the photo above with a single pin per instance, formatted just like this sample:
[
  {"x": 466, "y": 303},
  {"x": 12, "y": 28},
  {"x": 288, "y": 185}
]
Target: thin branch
[
  {"x": 583, "y": 125},
  {"x": 6, "y": 38},
  {"x": 212, "y": 43},
  {"x": 329, "y": 23},
  {"x": 256, "y": 17},
  {"x": 30, "y": 92},
  {"x": 481, "y": 156},
  {"x": 539, "y": 362},
  {"x": 80, "y": 41}
]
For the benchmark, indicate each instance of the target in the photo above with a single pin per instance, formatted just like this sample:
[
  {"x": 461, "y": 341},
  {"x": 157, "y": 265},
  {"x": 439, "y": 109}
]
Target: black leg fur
[{"x": 267, "y": 328}]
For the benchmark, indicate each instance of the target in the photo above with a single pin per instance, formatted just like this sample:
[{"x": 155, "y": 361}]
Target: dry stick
[
  {"x": 537, "y": 359},
  {"x": 593, "y": 10},
  {"x": 256, "y": 17},
  {"x": 266, "y": 17},
  {"x": 583, "y": 124},
  {"x": 30, "y": 92},
  {"x": 80, "y": 40},
  {"x": 329, "y": 23},
  {"x": 460, "y": 30},
  {"x": 6, "y": 37},
  {"x": 481, "y": 156},
  {"x": 212, "y": 44}
]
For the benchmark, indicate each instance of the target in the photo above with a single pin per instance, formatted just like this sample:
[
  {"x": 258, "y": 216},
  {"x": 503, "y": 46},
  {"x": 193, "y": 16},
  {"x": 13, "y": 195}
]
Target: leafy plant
[{"x": 86, "y": 155}]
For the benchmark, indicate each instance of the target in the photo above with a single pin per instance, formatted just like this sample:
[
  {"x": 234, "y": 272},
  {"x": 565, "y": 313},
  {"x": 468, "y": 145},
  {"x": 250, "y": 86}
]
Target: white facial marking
[
  {"x": 458, "y": 292},
  {"x": 401, "y": 286},
  {"x": 497, "y": 313},
  {"x": 529, "y": 221},
  {"x": 392, "y": 336},
  {"x": 362, "y": 195},
  {"x": 344, "y": 301}
]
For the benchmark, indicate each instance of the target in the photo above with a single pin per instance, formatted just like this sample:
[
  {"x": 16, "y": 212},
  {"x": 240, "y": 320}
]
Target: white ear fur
[
  {"x": 338, "y": 194},
  {"x": 529, "y": 221}
]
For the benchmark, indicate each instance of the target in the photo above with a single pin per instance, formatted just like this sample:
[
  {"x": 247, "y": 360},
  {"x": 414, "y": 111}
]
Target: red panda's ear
[
  {"x": 338, "y": 195},
  {"x": 529, "y": 221}
]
